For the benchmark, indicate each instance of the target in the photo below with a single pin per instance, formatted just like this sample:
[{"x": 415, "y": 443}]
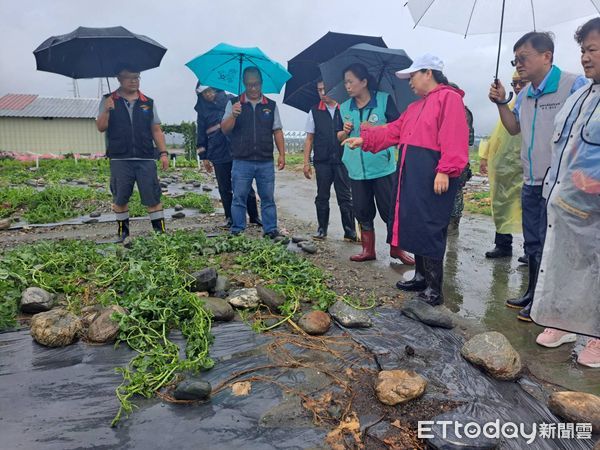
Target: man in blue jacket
[{"x": 214, "y": 149}]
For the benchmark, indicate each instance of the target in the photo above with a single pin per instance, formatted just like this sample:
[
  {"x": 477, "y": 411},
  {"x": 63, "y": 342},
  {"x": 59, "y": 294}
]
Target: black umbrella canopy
[
  {"x": 300, "y": 90},
  {"x": 382, "y": 64},
  {"x": 97, "y": 52}
]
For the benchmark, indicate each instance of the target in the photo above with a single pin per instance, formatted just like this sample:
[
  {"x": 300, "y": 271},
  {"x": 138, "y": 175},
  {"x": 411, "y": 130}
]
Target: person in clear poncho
[
  {"x": 500, "y": 160},
  {"x": 568, "y": 289}
]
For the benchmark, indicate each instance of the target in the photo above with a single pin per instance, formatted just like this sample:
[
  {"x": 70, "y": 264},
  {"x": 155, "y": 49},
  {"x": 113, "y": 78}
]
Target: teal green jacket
[{"x": 365, "y": 165}]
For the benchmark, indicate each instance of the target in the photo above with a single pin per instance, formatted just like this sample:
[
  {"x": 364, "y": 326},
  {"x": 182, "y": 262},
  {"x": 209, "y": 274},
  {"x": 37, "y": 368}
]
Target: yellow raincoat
[{"x": 505, "y": 174}]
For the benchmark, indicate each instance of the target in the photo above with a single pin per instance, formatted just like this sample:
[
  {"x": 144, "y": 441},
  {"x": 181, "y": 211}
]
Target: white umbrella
[{"x": 468, "y": 17}]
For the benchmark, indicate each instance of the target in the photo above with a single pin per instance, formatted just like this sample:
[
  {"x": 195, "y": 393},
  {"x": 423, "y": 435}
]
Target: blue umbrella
[{"x": 222, "y": 68}]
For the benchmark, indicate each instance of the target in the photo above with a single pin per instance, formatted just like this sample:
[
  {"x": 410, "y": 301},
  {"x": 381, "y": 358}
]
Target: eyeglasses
[
  {"x": 517, "y": 60},
  {"x": 520, "y": 83},
  {"x": 253, "y": 85}
]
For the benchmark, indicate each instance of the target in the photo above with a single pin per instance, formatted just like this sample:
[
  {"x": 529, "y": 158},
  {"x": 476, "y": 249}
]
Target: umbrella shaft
[{"x": 500, "y": 39}]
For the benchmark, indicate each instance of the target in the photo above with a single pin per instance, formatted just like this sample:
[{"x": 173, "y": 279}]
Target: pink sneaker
[
  {"x": 590, "y": 355},
  {"x": 552, "y": 338}
]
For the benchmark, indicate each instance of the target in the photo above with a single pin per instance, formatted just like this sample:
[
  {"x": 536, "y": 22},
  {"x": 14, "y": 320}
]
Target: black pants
[
  {"x": 503, "y": 241},
  {"x": 336, "y": 174},
  {"x": 223, "y": 174},
  {"x": 367, "y": 193},
  {"x": 534, "y": 220}
]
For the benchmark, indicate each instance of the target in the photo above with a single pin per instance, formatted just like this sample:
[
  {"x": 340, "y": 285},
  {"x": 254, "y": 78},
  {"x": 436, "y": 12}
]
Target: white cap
[
  {"x": 201, "y": 89},
  {"x": 426, "y": 61}
]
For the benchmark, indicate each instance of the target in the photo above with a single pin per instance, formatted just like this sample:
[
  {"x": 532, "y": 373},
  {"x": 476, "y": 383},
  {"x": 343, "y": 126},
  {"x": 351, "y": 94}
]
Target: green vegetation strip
[
  {"x": 58, "y": 203},
  {"x": 152, "y": 280}
]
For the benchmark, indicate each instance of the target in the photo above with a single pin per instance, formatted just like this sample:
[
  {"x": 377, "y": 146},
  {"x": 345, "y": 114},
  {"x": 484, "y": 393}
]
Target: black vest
[
  {"x": 252, "y": 135},
  {"x": 327, "y": 147},
  {"x": 127, "y": 139}
]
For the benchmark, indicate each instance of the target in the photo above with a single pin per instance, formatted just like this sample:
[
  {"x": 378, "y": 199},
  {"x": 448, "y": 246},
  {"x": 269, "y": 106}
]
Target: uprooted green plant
[
  {"x": 151, "y": 280},
  {"x": 290, "y": 274}
]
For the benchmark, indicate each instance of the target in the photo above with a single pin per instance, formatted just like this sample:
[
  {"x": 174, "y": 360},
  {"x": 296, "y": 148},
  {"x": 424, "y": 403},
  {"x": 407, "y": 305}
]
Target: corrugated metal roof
[
  {"x": 16, "y": 101},
  {"x": 19, "y": 105}
]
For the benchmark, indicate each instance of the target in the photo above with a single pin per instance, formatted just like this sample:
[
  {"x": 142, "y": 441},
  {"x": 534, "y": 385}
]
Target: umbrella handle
[
  {"x": 504, "y": 102},
  {"x": 510, "y": 96}
]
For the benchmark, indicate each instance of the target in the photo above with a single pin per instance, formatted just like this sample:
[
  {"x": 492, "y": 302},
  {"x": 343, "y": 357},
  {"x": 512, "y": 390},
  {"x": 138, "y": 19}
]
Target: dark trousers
[
  {"x": 367, "y": 193},
  {"x": 534, "y": 220},
  {"x": 503, "y": 240},
  {"x": 336, "y": 174},
  {"x": 223, "y": 174}
]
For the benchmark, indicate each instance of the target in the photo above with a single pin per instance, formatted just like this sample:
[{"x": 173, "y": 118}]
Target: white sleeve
[
  {"x": 310, "y": 123},
  {"x": 276, "y": 120},
  {"x": 228, "y": 110}
]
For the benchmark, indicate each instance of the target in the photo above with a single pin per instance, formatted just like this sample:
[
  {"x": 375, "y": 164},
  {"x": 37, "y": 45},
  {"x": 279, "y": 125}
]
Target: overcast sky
[{"x": 281, "y": 28}]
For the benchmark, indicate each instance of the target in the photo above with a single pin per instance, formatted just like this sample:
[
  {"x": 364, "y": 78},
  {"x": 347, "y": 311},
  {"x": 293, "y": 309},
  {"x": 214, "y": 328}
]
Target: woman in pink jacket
[{"x": 433, "y": 138}]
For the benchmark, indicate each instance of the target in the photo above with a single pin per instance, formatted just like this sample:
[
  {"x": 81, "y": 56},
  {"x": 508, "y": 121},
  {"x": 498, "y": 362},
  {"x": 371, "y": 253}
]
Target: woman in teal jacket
[{"x": 371, "y": 175}]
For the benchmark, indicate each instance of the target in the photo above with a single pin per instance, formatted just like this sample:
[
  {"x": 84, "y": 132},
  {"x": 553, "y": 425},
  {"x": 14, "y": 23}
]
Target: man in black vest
[
  {"x": 329, "y": 169},
  {"x": 252, "y": 121},
  {"x": 132, "y": 127}
]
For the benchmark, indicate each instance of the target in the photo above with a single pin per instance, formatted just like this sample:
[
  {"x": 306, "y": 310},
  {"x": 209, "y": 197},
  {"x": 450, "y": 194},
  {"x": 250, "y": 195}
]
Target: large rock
[
  {"x": 576, "y": 407},
  {"x": 5, "y": 224},
  {"x": 394, "y": 387},
  {"x": 429, "y": 315},
  {"x": 103, "y": 328},
  {"x": 308, "y": 247},
  {"x": 35, "y": 300},
  {"x": 298, "y": 239},
  {"x": 89, "y": 314},
  {"x": 55, "y": 328},
  {"x": 222, "y": 287},
  {"x": 445, "y": 437},
  {"x": 205, "y": 280},
  {"x": 348, "y": 316},
  {"x": 219, "y": 308},
  {"x": 192, "y": 390},
  {"x": 244, "y": 298},
  {"x": 274, "y": 300},
  {"x": 315, "y": 322},
  {"x": 494, "y": 354}
]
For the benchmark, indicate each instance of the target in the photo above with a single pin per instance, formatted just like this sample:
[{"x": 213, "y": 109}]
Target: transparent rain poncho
[{"x": 567, "y": 294}]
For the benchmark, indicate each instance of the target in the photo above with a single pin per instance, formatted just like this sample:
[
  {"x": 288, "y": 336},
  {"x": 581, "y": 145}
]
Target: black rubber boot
[
  {"x": 122, "y": 233},
  {"x": 527, "y": 298},
  {"x": 123, "y": 229},
  {"x": 159, "y": 225},
  {"x": 418, "y": 282},
  {"x": 434, "y": 277},
  {"x": 499, "y": 252},
  {"x": 348, "y": 224},
  {"x": 323, "y": 221},
  {"x": 524, "y": 314}
]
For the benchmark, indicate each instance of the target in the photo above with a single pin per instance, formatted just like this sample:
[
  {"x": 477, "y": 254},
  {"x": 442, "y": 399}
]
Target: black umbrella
[
  {"x": 97, "y": 52},
  {"x": 300, "y": 90},
  {"x": 382, "y": 64}
]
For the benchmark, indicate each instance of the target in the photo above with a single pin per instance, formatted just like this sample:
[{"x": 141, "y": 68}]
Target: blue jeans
[
  {"x": 534, "y": 220},
  {"x": 242, "y": 175}
]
